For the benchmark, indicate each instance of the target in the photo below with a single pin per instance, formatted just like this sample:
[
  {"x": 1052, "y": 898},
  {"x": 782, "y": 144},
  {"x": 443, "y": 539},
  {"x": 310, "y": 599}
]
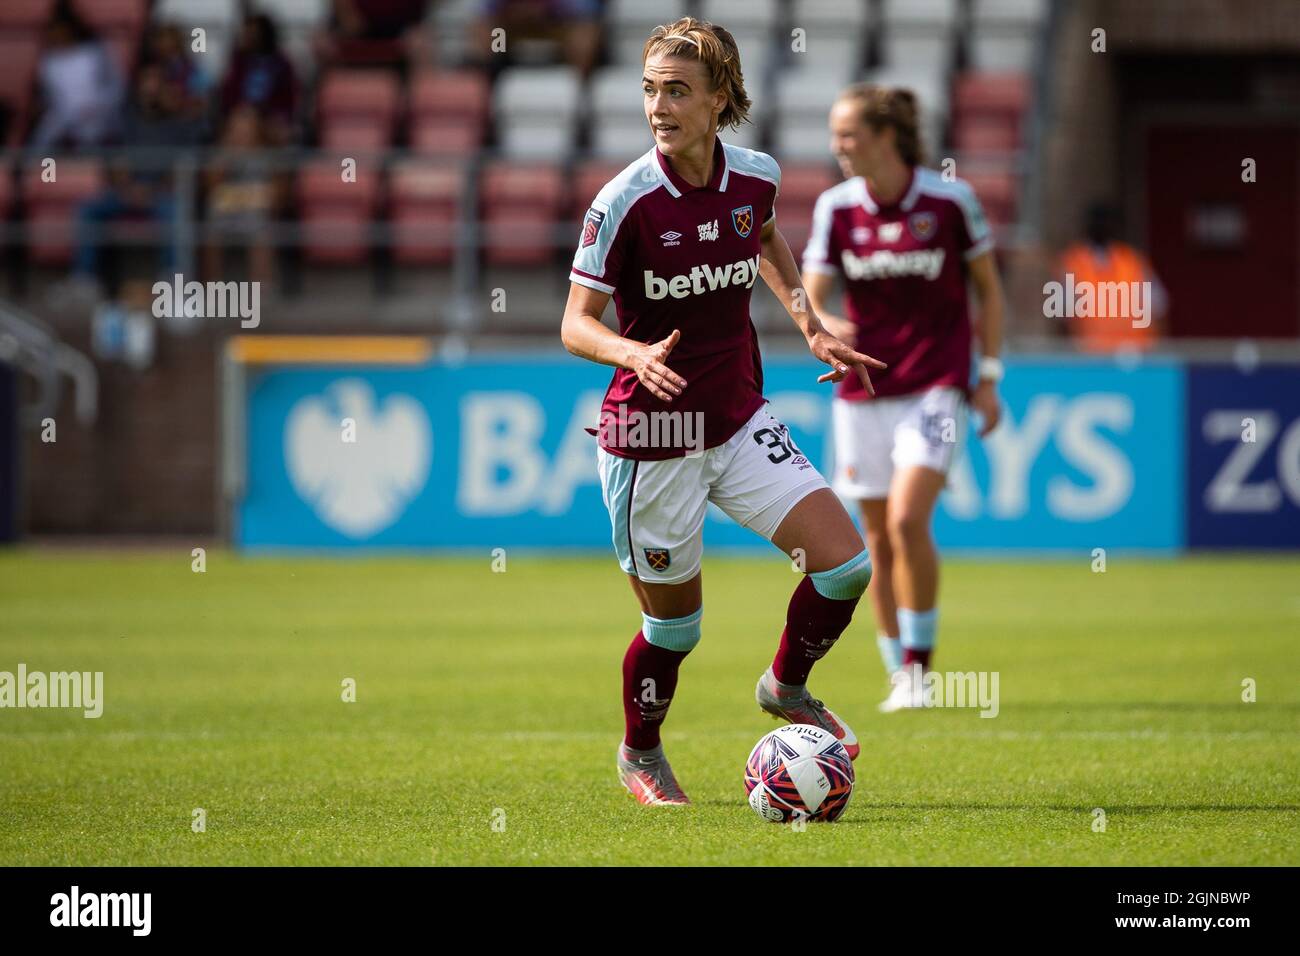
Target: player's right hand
[{"x": 648, "y": 363}]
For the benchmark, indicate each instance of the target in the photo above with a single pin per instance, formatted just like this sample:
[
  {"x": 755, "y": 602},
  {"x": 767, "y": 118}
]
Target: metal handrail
[{"x": 30, "y": 344}]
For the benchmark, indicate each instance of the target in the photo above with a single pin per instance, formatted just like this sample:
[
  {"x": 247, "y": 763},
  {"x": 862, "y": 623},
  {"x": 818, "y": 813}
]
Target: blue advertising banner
[
  {"x": 493, "y": 452},
  {"x": 1243, "y": 465}
]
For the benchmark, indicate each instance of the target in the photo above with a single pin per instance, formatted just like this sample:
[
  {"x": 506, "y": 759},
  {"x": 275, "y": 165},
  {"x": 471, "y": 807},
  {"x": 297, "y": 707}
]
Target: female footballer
[
  {"x": 678, "y": 238},
  {"x": 906, "y": 241}
]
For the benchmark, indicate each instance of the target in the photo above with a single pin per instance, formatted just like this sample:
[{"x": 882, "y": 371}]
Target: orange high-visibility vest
[{"x": 1115, "y": 330}]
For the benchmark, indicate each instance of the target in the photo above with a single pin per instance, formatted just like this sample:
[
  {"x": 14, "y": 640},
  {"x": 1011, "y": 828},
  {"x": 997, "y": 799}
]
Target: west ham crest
[
  {"x": 743, "y": 219},
  {"x": 658, "y": 558},
  {"x": 921, "y": 225}
]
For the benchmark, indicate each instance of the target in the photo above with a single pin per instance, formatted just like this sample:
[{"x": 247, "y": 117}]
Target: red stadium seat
[
  {"x": 423, "y": 207},
  {"x": 359, "y": 98},
  {"x": 110, "y": 16},
  {"x": 51, "y": 207},
  {"x": 801, "y": 184},
  {"x": 18, "y": 56},
  {"x": 986, "y": 135},
  {"x": 29, "y": 16},
  {"x": 988, "y": 110},
  {"x": 996, "y": 192},
  {"x": 984, "y": 93},
  {"x": 521, "y": 203},
  {"x": 448, "y": 111},
  {"x": 589, "y": 179},
  {"x": 336, "y": 215}
]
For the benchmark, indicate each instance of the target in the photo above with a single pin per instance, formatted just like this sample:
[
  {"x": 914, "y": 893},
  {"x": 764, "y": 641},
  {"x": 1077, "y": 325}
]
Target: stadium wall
[{"x": 491, "y": 451}]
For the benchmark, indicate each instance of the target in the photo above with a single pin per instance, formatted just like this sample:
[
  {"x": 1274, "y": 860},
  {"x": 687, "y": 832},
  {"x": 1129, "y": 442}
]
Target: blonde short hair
[{"x": 716, "y": 49}]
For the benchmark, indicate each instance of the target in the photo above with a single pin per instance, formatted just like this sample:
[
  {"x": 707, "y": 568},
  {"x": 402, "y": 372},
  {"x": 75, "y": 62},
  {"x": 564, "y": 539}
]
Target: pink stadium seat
[
  {"x": 357, "y": 98},
  {"x": 336, "y": 215},
  {"x": 801, "y": 184},
  {"x": 29, "y": 16},
  {"x": 997, "y": 194},
  {"x": 51, "y": 207},
  {"x": 448, "y": 111},
  {"x": 521, "y": 203},
  {"x": 110, "y": 16},
  {"x": 984, "y": 93},
  {"x": 18, "y": 56},
  {"x": 423, "y": 208},
  {"x": 590, "y": 177}
]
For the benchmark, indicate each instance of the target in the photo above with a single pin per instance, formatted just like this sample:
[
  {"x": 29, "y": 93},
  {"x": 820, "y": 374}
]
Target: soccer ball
[{"x": 799, "y": 772}]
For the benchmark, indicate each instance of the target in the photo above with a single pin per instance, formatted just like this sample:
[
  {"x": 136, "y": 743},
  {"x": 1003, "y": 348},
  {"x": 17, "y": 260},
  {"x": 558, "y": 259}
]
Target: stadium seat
[
  {"x": 588, "y": 179},
  {"x": 18, "y": 57},
  {"x": 51, "y": 207},
  {"x": 629, "y": 23},
  {"x": 423, "y": 207},
  {"x": 111, "y": 16},
  {"x": 837, "y": 32},
  {"x": 803, "y": 103},
  {"x": 336, "y": 215},
  {"x": 801, "y": 184},
  {"x": 358, "y": 106},
  {"x": 918, "y": 32},
  {"x": 753, "y": 24},
  {"x": 448, "y": 111},
  {"x": 29, "y": 16},
  {"x": 989, "y": 110},
  {"x": 997, "y": 194},
  {"x": 536, "y": 110},
  {"x": 521, "y": 205},
  {"x": 618, "y": 124},
  {"x": 1005, "y": 33}
]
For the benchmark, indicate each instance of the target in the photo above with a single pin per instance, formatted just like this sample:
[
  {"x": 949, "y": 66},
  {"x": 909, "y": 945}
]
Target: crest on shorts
[
  {"x": 591, "y": 226},
  {"x": 921, "y": 225},
  {"x": 742, "y": 218},
  {"x": 658, "y": 558}
]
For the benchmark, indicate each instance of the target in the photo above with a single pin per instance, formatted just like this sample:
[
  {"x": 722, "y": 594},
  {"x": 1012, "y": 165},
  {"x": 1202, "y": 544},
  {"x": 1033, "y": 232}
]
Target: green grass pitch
[{"x": 487, "y": 715}]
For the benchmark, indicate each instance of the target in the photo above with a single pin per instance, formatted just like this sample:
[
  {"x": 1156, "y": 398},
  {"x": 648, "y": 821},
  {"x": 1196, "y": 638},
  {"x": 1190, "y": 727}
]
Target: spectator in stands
[
  {"x": 183, "y": 82},
  {"x": 375, "y": 33},
  {"x": 80, "y": 85},
  {"x": 573, "y": 26},
  {"x": 157, "y": 127},
  {"x": 261, "y": 76},
  {"x": 243, "y": 196},
  {"x": 1089, "y": 267}
]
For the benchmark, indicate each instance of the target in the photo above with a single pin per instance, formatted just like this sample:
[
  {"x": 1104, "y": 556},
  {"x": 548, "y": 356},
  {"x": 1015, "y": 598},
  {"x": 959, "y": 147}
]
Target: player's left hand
[
  {"x": 841, "y": 358},
  {"x": 985, "y": 401}
]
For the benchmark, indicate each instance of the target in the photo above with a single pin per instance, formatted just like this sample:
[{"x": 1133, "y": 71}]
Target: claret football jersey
[
  {"x": 677, "y": 256},
  {"x": 904, "y": 271}
]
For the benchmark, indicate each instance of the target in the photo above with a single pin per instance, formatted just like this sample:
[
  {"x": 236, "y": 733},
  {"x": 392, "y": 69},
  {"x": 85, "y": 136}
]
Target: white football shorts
[
  {"x": 657, "y": 508},
  {"x": 878, "y": 436}
]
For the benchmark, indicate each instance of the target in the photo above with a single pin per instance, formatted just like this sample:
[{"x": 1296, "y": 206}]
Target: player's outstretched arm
[
  {"x": 778, "y": 269},
  {"x": 587, "y": 337}
]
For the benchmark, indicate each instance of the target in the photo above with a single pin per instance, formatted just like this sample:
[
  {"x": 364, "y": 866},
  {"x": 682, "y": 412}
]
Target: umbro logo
[{"x": 670, "y": 238}]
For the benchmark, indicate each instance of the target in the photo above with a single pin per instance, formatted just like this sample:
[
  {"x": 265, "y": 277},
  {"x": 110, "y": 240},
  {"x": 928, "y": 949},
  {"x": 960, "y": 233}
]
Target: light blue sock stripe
[
  {"x": 916, "y": 628},
  {"x": 891, "y": 652},
  {"x": 674, "y": 633},
  {"x": 846, "y": 582}
]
